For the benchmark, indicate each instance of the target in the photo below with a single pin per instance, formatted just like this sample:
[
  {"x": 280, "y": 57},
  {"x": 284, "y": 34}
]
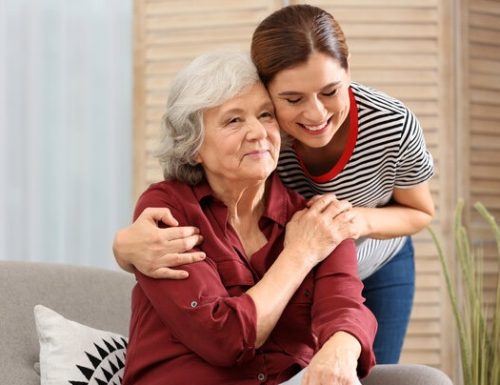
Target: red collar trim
[{"x": 349, "y": 149}]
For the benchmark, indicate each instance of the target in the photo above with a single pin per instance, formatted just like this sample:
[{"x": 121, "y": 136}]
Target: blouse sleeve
[
  {"x": 338, "y": 303},
  {"x": 198, "y": 310},
  {"x": 415, "y": 163}
]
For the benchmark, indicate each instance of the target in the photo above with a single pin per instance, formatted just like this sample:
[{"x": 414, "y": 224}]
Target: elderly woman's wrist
[{"x": 304, "y": 259}]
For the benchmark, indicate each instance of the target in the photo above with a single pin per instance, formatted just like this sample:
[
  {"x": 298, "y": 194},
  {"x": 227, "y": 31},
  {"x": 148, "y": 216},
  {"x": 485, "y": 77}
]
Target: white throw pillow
[{"x": 72, "y": 353}]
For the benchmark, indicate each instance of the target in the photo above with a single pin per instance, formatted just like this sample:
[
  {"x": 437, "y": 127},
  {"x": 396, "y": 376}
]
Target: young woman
[{"x": 344, "y": 138}]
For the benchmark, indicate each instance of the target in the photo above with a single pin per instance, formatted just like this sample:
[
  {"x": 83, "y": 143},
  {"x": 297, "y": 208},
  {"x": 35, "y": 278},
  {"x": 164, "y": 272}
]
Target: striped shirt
[{"x": 385, "y": 150}]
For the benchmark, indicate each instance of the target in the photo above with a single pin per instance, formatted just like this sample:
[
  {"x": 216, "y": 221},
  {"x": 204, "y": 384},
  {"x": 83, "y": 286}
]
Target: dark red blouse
[{"x": 202, "y": 330}]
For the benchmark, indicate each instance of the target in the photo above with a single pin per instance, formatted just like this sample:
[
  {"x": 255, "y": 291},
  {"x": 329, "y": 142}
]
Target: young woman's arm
[
  {"x": 410, "y": 211},
  {"x": 153, "y": 250}
]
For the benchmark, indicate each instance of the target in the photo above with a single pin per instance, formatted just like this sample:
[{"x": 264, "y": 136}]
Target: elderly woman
[{"x": 275, "y": 292}]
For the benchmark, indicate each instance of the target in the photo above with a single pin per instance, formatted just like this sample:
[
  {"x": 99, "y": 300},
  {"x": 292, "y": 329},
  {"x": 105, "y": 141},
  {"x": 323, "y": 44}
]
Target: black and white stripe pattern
[{"x": 390, "y": 152}]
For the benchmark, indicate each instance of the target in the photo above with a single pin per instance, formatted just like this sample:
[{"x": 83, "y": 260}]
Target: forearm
[
  {"x": 274, "y": 291},
  {"x": 338, "y": 304},
  {"x": 392, "y": 221},
  {"x": 335, "y": 362},
  {"x": 343, "y": 346}
]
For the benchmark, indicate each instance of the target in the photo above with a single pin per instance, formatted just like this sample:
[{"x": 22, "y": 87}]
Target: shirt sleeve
[
  {"x": 415, "y": 163},
  {"x": 198, "y": 310},
  {"x": 338, "y": 304}
]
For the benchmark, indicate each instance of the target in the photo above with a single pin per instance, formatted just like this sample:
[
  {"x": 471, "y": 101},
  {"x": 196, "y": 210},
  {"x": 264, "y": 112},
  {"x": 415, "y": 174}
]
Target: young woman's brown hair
[{"x": 288, "y": 37}]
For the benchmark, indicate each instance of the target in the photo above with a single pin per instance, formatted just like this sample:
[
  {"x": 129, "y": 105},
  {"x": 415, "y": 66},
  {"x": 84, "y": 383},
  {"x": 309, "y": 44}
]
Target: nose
[
  {"x": 256, "y": 130},
  {"x": 315, "y": 111}
]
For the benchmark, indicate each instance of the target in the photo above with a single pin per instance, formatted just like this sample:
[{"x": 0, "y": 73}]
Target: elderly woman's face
[{"x": 242, "y": 138}]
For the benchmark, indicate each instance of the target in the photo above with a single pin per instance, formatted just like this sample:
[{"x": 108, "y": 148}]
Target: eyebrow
[
  {"x": 267, "y": 104},
  {"x": 294, "y": 93},
  {"x": 233, "y": 111}
]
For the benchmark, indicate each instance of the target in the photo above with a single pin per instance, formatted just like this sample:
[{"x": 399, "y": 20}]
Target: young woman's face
[{"x": 312, "y": 99}]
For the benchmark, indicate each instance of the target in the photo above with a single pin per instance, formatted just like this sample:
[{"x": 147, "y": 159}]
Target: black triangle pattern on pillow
[{"x": 106, "y": 368}]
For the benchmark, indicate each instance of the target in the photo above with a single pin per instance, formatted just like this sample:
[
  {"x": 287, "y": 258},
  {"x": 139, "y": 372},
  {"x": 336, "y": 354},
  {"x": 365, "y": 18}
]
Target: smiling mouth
[
  {"x": 257, "y": 153},
  {"x": 317, "y": 128}
]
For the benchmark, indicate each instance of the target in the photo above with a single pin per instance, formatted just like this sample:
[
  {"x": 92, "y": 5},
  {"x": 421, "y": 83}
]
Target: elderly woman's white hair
[{"x": 208, "y": 81}]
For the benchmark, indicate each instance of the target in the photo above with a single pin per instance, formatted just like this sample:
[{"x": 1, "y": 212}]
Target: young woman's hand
[
  {"x": 316, "y": 231},
  {"x": 153, "y": 250}
]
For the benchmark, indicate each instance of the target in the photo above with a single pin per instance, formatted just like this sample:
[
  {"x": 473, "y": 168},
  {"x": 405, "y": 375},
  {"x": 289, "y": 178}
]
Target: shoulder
[
  {"x": 374, "y": 100},
  {"x": 163, "y": 194},
  {"x": 167, "y": 189}
]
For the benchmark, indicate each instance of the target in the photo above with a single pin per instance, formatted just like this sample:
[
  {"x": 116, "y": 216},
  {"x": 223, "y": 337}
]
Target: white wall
[{"x": 65, "y": 128}]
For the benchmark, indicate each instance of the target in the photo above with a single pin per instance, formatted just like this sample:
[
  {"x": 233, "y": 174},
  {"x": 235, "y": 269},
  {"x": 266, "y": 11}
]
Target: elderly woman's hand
[
  {"x": 335, "y": 363},
  {"x": 153, "y": 250},
  {"x": 317, "y": 230}
]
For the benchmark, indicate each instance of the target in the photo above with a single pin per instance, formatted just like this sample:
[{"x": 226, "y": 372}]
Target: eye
[
  {"x": 266, "y": 115},
  {"x": 293, "y": 101},
  {"x": 331, "y": 93},
  {"x": 233, "y": 120}
]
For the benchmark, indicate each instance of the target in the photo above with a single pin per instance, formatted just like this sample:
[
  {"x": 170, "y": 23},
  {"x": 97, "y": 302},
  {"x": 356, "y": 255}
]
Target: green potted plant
[{"x": 478, "y": 324}]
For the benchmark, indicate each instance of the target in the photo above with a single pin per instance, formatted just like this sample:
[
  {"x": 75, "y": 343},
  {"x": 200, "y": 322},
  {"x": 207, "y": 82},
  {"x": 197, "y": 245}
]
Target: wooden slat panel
[
  {"x": 430, "y": 357},
  {"x": 484, "y": 111},
  {"x": 385, "y": 4},
  {"x": 485, "y": 126},
  {"x": 420, "y": 342},
  {"x": 417, "y": 46},
  {"x": 424, "y": 328},
  {"x": 485, "y": 187},
  {"x": 484, "y": 35},
  {"x": 386, "y": 16},
  {"x": 481, "y": 20},
  {"x": 381, "y": 76},
  {"x": 485, "y": 51},
  {"x": 395, "y": 30},
  {"x": 483, "y": 98},
  {"x": 172, "y": 7},
  {"x": 222, "y": 34},
  {"x": 486, "y": 142},
  {"x": 489, "y": 82},
  {"x": 200, "y": 21},
  {"x": 485, "y": 66},
  {"x": 484, "y": 6}
]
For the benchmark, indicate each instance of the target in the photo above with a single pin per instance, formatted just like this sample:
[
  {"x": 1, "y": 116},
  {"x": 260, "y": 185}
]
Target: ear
[{"x": 197, "y": 158}]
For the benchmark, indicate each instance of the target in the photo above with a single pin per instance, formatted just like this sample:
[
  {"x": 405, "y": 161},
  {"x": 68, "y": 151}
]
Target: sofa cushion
[
  {"x": 72, "y": 353},
  {"x": 95, "y": 297}
]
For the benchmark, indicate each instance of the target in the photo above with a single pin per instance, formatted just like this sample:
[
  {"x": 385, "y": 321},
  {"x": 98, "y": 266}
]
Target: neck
[
  {"x": 243, "y": 200},
  {"x": 245, "y": 203}
]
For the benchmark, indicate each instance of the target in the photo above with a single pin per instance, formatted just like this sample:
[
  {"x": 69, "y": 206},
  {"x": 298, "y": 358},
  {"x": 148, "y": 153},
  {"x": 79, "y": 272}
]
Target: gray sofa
[
  {"x": 94, "y": 297},
  {"x": 100, "y": 299}
]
